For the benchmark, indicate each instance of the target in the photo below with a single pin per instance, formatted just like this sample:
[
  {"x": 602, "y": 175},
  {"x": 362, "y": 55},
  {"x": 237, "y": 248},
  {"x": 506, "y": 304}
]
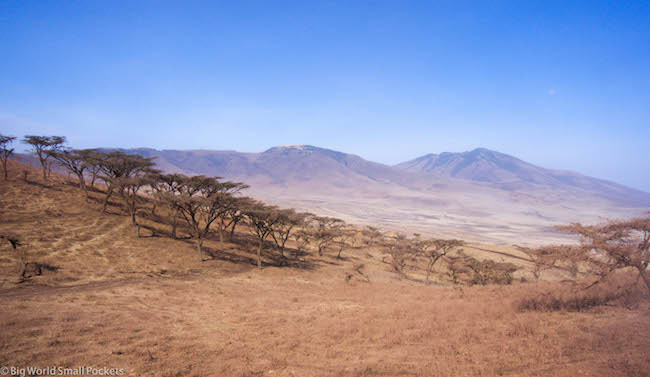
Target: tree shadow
[
  {"x": 229, "y": 256},
  {"x": 42, "y": 185},
  {"x": 270, "y": 258},
  {"x": 300, "y": 264},
  {"x": 149, "y": 229}
]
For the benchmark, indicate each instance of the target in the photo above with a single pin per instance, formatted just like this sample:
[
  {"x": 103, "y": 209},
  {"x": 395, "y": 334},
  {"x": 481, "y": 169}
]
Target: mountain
[
  {"x": 510, "y": 173},
  {"x": 480, "y": 195},
  {"x": 279, "y": 166}
]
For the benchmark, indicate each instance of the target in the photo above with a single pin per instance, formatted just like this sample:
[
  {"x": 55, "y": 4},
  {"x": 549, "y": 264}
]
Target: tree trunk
[
  {"x": 220, "y": 236},
  {"x": 82, "y": 185},
  {"x": 429, "y": 268},
  {"x": 259, "y": 254},
  {"x": 644, "y": 276},
  {"x": 44, "y": 166},
  {"x": 133, "y": 211},
  {"x": 232, "y": 231},
  {"x": 108, "y": 196},
  {"x": 174, "y": 223},
  {"x": 199, "y": 247}
]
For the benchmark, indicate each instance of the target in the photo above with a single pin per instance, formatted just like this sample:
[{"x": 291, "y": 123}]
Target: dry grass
[
  {"x": 620, "y": 289},
  {"x": 147, "y": 305}
]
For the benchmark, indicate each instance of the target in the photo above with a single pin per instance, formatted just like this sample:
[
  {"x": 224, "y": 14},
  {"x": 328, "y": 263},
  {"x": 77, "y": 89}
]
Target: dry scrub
[
  {"x": 146, "y": 304},
  {"x": 622, "y": 289}
]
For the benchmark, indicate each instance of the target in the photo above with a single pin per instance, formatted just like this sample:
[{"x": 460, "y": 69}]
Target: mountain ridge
[
  {"x": 301, "y": 162},
  {"x": 511, "y": 173},
  {"x": 479, "y": 195}
]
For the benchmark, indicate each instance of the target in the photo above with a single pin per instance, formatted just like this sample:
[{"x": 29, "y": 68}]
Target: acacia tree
[
  {"x": 128, "y": 188},
  {"x": 164, "y": 186},
  {"x": 605, "y": 248},
  {"x": 434, "y": 249},
  {"x": 261, "y": 219},
  {"x": 5, "y": 152},
  {"x": 302, "y": 237},
  {"x": 490, "y": 272},
  {"x": 286, "y": 220},
  {"x": 117, "y": 167},
  {"x": 92, "y": 159},
  {"x": 75, "y": 162},
  {"x": 458, "y": 265},
  {"x": 200, "y": 203},
  {"x": 401, "y": 252},
  {"x": 236, "y": 213},
  {"x": 342, "y": 239},
  {"x": 228, "y": 203},
  {"x": 371, "y": 236},
  {"x": 41, "y": 145},
  {"x": 325, "y": 231},
  {"x": 543, "y": 258},
  {"x": 480, "y": 272}
]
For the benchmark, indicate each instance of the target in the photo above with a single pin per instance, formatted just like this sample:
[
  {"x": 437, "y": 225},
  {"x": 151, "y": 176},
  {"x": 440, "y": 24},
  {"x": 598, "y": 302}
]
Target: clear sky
[{"x": 560, "y": 84}]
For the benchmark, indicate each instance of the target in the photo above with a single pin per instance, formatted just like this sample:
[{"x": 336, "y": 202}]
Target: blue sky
[{"x": 559, "y": 84}]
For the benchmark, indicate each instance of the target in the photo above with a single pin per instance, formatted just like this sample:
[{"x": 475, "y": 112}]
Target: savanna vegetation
[{"x": 167, "y": 274}]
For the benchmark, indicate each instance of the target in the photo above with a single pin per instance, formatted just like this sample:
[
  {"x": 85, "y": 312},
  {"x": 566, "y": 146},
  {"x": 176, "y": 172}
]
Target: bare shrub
[
  {"x": 543, "y": 259},
  {"x": 491, "y": 272},
  {"x": 620, "y": 289},
  {"x": 605, "y": 248},
  {"x": 357, "y": 273},
  {"x": 472, "y": 271}
]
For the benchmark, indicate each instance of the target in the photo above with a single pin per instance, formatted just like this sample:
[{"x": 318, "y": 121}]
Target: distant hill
[
  {"x": 479, "y": 195},
  {"x": 281, "y": 166},
  {"x": 510, "y": 173}
]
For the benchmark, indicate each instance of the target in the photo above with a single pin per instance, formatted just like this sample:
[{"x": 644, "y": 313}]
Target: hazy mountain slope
[
  {"x": 280, "y": 166},
  {"x": 480, "y": 195},
  {"x": 510, "y": 173}
]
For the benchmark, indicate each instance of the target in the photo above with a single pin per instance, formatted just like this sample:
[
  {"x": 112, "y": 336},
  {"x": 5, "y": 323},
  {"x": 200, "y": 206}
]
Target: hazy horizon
[{"x": 562, "y": 86}]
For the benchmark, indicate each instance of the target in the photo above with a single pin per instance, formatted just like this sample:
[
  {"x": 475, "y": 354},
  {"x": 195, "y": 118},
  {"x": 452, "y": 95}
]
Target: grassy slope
[{"x": 149, "y": 306}]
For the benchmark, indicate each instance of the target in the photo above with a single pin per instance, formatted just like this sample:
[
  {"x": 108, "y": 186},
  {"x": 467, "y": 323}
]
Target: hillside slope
[
  {"x": 146, "y": 306},
  {"x": 510, "y": 173}
]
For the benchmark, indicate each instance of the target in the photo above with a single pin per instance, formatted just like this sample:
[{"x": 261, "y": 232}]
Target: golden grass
[{"x": 149, "y": 306}]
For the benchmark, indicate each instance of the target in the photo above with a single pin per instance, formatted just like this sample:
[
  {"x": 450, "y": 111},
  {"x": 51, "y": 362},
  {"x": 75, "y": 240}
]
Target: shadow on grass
[
  {"x": 42, "y": 185},
  {"x": 270, "y": 257}
]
